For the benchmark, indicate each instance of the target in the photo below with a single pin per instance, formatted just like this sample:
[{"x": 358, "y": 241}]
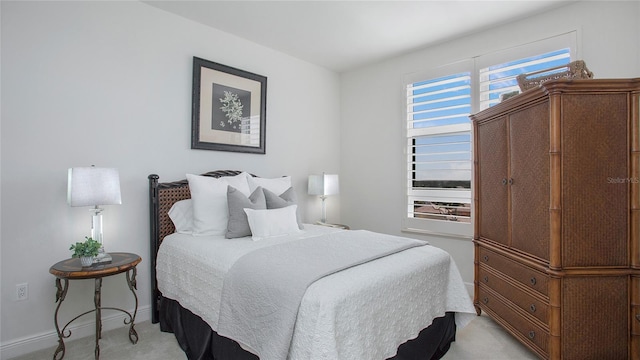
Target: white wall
[
  {"x": 109, "y": 83},
  {"x": 372, "y": 165}
]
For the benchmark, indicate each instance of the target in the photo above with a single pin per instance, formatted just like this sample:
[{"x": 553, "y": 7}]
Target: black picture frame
[{"x": 229, "y": 108}]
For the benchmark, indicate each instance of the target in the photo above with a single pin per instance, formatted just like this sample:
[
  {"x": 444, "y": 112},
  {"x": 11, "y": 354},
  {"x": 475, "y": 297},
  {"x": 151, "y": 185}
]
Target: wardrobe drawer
[
  {"x": 528, "y": 332},
  {"x": 531, "y": 278},
  {"x": 524, "y": 301}
]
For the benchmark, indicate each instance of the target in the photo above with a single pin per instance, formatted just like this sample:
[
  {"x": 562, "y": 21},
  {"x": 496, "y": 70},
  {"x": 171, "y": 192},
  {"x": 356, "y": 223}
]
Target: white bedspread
[
  {"x": 364, "y": 312},
  {"x": 263, "y": 289}
]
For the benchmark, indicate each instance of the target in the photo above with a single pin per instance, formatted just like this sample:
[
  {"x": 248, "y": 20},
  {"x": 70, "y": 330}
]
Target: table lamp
[
  {"x": 92, "y": 186},
  {"x": 323, "y": 185}
]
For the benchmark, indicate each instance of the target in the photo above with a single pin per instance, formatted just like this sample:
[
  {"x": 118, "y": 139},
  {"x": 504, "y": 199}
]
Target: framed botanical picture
[{"x": 228, "y": 108}]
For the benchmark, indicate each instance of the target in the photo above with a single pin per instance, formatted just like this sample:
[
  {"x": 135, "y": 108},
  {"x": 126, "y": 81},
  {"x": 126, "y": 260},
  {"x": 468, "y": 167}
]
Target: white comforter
[{"x": 364, "y": 312}]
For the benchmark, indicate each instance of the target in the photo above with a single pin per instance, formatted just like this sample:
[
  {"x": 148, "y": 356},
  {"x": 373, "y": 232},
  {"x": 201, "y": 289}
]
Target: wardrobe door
[
  {"x": 491, "y": 137},
  {"x": 529, "y": 180},
  {"x": 595, "y": 189}
]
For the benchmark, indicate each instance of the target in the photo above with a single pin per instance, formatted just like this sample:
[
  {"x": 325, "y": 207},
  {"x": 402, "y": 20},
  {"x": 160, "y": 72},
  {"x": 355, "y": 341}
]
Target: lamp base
[
  {"x": 337, "y": 226},
  {"x": 102, "y": 258}
]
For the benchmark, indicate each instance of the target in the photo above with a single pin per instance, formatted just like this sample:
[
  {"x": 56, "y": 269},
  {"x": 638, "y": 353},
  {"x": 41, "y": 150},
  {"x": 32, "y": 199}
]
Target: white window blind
[
  {"x": 501, "y": 79},
  {"x": 439, "y": 148}
]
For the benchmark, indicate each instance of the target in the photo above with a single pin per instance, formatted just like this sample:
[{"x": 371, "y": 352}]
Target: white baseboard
[
  {"x": 29, "y": 344},
  {"x": 469, "y": 287}
]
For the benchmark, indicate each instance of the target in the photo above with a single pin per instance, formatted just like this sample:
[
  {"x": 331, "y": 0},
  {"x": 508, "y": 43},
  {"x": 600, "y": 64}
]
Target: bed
[{"x": 405, "y": 303}]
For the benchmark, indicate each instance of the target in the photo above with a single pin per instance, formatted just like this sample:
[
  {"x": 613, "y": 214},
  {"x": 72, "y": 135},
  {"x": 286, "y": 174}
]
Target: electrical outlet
[{"x": 22, "y": 291}]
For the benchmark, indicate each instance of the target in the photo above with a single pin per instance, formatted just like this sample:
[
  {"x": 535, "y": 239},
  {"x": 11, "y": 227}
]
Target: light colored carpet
[
  {"x": 482, "y": 339},
  {"x": 115, "y": 345}
]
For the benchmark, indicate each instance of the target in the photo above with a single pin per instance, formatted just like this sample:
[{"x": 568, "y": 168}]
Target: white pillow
[
  {"x": 210, "y": 206},
  {"x": 273, "y": 222},
  {"x": 277, "y": 185},
  {"x": 181, "y": 214}
]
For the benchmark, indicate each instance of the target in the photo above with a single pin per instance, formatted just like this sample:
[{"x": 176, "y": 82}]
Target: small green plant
[{"x": 87, "y": 248}]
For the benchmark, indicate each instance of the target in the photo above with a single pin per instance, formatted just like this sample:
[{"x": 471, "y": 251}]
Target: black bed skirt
[{"x": 200, "y": 342}]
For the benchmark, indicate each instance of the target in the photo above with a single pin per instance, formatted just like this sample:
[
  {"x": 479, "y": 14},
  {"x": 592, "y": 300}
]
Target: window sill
[{"x": 438, "y": 234}]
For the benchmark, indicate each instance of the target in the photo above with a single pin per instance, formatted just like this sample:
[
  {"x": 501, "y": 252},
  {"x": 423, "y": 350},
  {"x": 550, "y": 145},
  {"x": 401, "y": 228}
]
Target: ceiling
[{"x": 342, "y": 35}]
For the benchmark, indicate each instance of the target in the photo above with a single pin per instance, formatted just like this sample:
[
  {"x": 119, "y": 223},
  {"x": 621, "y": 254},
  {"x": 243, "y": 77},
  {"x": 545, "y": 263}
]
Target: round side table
[{"x": 71, "y": 269}]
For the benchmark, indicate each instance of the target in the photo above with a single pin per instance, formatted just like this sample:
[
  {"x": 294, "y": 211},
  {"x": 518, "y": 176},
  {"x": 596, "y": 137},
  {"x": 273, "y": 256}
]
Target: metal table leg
[
  {"x": 131, "y": 281},
  {"x": 61, "y": 292},
  {"x": 97, "y": 301}
]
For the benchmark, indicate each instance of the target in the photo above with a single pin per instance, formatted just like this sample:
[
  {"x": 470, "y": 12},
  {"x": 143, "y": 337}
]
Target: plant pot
[{"x": 86, "y": 261}]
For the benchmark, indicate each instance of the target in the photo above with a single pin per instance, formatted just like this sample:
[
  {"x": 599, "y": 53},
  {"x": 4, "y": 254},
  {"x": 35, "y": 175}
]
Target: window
[
  {"x": 439, "y": 142},
  {"x": 500, "y": 79},
  {"x": 438, "y": 151}
]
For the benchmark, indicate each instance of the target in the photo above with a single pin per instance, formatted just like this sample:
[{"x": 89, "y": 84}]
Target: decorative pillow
[
  {"x": 181, "y": 214},
  {"x": 238, "y": 225},
  {"x": 277, "y": 185},
  {"x": 287, "y": 198},
  {"x": 210, "y": 206},
  {"x": 275, "y": 222}
]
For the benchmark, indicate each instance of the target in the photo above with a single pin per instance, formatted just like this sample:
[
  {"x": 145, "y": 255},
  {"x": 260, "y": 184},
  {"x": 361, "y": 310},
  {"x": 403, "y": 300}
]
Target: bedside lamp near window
[
  {"x": 92, "y": 186},
  {"x": 323, "y": 185}
]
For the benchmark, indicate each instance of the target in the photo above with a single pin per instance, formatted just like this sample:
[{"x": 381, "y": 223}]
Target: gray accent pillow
[
  {"x": 238, "y": 224},
  {"x": 285, "y": 199}
]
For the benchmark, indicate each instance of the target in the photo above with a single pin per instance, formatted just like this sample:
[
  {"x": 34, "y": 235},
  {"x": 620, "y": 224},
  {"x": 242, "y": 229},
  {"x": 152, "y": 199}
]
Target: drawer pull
[
  {"x": 486, "y": 279},
  {"x": 504, "y": 181},
  {"x": 532, "y": 307},
  {"x": 638, "y": 317},
  {"x": 485, "y": 300},
  {"x": 533, "y": 281},
  {"x": 532, "y": 334},
  {"x": 486, "y": 258},
  {"x": 511, "y": 181}
]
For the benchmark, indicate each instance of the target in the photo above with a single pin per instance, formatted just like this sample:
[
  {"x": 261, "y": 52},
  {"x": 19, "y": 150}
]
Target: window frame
[
  {"x": 473, "y": 65},
  {"x": 431, "y": 226}
]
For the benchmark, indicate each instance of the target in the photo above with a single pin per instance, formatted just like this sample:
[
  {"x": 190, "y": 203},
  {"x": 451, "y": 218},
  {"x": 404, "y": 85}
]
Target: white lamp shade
[
  {"x": 325, "y": 184},
  {"x": 92, "y": 186}
]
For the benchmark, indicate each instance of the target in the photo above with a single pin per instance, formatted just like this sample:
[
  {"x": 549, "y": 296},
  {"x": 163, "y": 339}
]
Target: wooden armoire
[{"x": 557, "y": 220}]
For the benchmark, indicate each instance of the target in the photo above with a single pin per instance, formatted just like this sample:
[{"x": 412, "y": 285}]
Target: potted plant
[{"x": 85, "y": 250}]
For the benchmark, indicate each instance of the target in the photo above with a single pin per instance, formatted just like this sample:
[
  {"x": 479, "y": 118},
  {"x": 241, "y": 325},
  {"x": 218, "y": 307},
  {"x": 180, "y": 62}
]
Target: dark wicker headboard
[{"x": 161, "y": 197}]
